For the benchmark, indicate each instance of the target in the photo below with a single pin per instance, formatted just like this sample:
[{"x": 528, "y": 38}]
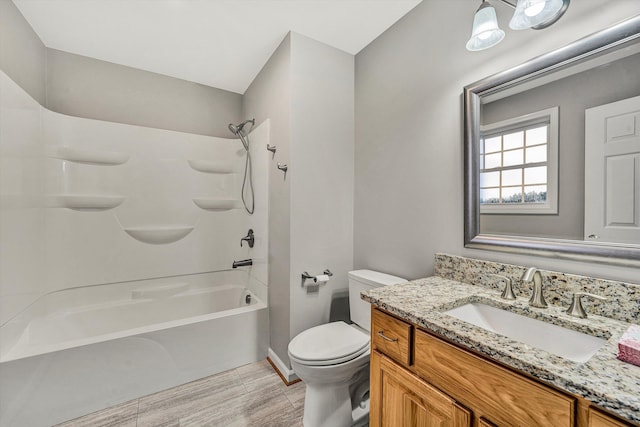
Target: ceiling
[{"x": 219, "y": 43}]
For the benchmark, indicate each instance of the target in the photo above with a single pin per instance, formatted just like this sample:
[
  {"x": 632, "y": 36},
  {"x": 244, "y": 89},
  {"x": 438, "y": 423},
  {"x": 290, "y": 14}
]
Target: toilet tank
[{"x": 363, "y": 280}]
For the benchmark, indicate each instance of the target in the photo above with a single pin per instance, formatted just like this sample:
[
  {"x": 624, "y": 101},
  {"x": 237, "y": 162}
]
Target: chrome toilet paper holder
[{"x": 306, "y": 275}]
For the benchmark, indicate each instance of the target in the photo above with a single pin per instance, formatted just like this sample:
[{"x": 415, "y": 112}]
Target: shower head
[{"x": 235, "y": 129}]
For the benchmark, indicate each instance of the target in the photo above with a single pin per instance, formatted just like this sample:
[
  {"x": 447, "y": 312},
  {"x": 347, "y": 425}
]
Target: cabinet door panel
[
  {"x": 407, "y": 401},
  {"x": 508, "y": 398}
]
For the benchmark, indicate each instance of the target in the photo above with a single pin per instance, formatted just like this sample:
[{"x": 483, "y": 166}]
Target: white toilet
[{"x": 333, "y": 360}]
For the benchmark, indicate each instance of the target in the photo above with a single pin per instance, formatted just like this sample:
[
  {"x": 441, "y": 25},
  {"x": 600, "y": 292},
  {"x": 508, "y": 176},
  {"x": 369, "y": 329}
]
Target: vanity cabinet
[
  {"x": 419, "y": 379},
  {"x": 409, "y": 401}
]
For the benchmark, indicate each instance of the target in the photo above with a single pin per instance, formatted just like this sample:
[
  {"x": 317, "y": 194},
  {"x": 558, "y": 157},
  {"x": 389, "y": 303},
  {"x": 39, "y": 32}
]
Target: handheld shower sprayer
[
  {"x": 244, "y": 139},
  {"x": 236, "y": 129}
]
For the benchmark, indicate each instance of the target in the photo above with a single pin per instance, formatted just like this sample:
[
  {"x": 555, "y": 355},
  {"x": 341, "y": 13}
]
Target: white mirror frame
[{"x": 597, "y": 44}]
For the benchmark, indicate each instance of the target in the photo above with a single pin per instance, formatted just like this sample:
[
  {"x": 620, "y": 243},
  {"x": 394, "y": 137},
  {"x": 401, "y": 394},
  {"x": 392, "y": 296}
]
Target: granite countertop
[{"x": 603, "y": 379}]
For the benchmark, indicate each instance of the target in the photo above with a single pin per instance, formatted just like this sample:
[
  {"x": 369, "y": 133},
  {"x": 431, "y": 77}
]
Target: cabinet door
[{"x": 400, "y": 399}]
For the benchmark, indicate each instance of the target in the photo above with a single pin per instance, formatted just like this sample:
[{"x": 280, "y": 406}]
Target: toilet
[{"x": 333, "y": 360}]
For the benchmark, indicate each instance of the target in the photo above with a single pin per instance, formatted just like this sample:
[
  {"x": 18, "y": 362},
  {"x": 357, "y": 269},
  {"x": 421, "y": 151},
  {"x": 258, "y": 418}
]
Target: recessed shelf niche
[
  {"x": 211, "y": 167},
  {"x": 215, "y": 204},
  {"x": 86, "y": 202},
  {"x": 92, "y": 157},
  {"x": 158, "y": 235}
]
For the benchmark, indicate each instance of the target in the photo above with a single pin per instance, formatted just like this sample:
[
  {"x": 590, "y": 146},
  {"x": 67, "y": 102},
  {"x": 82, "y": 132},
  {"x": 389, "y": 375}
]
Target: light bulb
[{"x": 534, "y": 8}]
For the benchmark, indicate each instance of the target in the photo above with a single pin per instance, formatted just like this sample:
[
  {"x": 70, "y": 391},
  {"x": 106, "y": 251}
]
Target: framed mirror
[{"x": 552, "y": 152}]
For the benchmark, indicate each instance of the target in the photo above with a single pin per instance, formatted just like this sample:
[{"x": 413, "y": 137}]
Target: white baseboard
[{"x": 287, "y": 374}]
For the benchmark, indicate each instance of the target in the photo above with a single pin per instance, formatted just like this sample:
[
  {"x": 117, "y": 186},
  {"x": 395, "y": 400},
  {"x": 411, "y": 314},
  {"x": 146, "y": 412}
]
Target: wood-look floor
[{"x": 251, "y": 395}]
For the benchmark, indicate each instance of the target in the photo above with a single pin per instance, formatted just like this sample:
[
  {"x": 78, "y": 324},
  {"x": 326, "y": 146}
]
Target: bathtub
[{"x": 79, "y": 350}]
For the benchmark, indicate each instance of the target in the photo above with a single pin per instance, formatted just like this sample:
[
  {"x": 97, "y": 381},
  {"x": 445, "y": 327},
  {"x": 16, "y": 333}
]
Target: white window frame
[{"x": 550, "y": 207}]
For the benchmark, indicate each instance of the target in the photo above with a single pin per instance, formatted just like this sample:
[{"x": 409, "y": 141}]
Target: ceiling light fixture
[
  {"x": 534, "y": 14},
  {"x": 486, "y": 32}
]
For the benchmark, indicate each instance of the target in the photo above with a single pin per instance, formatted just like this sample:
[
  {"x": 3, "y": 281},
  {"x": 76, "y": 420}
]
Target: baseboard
[{"x": 287, "y": 375}]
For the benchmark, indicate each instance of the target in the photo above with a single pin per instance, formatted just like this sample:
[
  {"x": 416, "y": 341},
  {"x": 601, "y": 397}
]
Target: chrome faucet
[
  {"x": 242, "y": 263},
  {"x": 537, "y": 298}
]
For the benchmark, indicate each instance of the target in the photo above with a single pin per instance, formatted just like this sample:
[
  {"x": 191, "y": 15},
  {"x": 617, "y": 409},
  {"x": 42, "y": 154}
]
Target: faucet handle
[
  {"x": 507, "y": 292},
  {"x": 249, "y": 238},
  {"x": 575, "y": 308}
]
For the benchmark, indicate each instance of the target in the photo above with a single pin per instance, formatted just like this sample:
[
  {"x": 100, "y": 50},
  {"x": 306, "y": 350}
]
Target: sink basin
[{"x": 563, "y": 342}]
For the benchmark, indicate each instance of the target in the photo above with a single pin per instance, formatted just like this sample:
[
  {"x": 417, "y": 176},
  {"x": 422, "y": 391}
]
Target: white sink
[{"x": 563, "y": 342}]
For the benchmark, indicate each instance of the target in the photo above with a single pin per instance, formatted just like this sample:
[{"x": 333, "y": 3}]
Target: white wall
[
  {"x": 408, "y": 161},
  {"x": 22, "y": 217}
]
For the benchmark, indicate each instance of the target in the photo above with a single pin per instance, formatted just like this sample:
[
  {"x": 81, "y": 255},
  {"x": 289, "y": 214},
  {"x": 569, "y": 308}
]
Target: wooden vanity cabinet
[
  {"x": 419, "y": 379},
  {"x": 405, "y": 400}
]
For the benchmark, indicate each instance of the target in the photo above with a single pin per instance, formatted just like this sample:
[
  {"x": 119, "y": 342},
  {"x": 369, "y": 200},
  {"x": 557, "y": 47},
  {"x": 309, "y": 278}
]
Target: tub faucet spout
[{"x": 242, "y": 263}]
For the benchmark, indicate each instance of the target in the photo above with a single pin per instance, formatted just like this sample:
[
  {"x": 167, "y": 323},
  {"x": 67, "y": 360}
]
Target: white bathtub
[{"x": 80, "y": 350}]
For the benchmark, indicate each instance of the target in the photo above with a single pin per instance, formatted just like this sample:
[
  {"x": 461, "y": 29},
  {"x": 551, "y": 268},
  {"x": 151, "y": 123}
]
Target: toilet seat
[{"x": 328, "y": 344}]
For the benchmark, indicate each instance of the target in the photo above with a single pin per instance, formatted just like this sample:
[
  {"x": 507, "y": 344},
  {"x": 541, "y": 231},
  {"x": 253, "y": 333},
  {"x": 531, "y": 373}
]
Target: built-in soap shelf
[
  {"x": 216, "y": 204},
  {"x": 91, "y": 157},
  {"x": 159, "y": 235},
  {"x": 85, "y": 202},
  {"x": 211, "y": 167}
]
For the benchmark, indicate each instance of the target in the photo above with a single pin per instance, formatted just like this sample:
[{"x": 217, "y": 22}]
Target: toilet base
[{"x": 327, "y": 405}]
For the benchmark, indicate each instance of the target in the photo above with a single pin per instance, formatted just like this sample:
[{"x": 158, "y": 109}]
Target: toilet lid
[{"x": 331, "y": 343}]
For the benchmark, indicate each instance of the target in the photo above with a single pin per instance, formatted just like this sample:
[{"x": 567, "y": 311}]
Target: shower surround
[{"x": 119, "y": 238}]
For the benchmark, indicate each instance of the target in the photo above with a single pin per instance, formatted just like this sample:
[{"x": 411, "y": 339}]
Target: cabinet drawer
[
  {"x": 505, "y": 397},
  {"x": 600, "y": 419},
  {"x": 391, "y": 336}
]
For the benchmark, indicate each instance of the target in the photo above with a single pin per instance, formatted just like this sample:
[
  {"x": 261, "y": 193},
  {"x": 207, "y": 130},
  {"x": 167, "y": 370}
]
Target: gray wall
[
  {"x": 322, "y": 141},
  {"x": 306, "y": 89},
  {"x": 269, "y": 97},
  {"x": 409, "y": 164},
  {"x": 573, "y": 95},
  {"x": 86, "y": 87},
  {"x": 22, "y": 54}
]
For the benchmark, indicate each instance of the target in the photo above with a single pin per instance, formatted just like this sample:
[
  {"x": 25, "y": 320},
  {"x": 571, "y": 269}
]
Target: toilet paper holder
[{"x": 306, "y": 275}]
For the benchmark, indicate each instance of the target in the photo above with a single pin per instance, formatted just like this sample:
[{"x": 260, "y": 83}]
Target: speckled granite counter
[{"x": 604, "y": 380}]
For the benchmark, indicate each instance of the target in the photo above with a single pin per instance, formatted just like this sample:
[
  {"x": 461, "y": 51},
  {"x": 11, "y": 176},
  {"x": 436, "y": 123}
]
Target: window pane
[
  {"x": 515, "y": 157},
  {"x": 535, "y": 194},
  {"x": 514, "y": 140},
  {"x": 492, "y": 160},
  {"x": 490, "y": 195},
  {"x": 537, "y": 154},
  {"x": 492, "y": 144},
  {"x": 481, "y": 146},
  {"x": 537, "y": 135},
  {"x": 512, "y": 177},
  {"x": 512, "y": 195},
  {"x": 537, "y": 175},
  {"x": 490, "y": 179}
]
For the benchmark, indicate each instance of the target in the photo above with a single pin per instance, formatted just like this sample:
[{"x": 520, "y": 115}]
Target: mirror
[{"x": 552, "y": 152}]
